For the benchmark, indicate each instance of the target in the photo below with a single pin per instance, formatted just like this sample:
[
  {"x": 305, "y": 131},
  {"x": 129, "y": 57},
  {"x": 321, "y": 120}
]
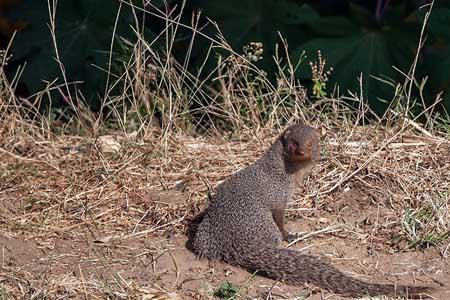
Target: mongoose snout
[{"x": 301, "y": 143}]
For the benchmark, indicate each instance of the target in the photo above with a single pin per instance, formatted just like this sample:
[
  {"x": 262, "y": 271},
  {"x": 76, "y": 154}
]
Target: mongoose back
[{"x": 244, "y": 222}]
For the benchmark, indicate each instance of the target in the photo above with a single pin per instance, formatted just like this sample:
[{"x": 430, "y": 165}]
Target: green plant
[
  {"x": 428, "y": 225},
  {"x": 76, "y": 34},
  {"x": 360, "y": 41},
  {"x": 319, "y": 76},
  {"x": 226, "y": 291},
  {"x": 3, "y": 294}
]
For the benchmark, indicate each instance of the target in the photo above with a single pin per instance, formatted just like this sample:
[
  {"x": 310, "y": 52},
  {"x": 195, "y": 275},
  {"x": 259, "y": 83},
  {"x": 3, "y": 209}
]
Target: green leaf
[
  {"x": 334, "y": 50},
  {"x": 334, "y": 27},
  {"x": 367, "y": 53},
  {"x": 439, "y": 23},
  {"x": 226, "y": 291},
  {"x": 244, "y": 21},
  {"x": 436, "y": 67},
  {"x": 83, "y": 36},
  {"x": 361, "y": 15},
  {"x": 297, "y": 15}
]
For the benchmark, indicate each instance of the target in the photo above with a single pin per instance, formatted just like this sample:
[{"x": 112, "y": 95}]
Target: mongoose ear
[{"x": 286, "y": 133}]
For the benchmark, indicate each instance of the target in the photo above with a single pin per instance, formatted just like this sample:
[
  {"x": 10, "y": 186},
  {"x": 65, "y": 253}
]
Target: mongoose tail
[{"x": 292, "y": 267}]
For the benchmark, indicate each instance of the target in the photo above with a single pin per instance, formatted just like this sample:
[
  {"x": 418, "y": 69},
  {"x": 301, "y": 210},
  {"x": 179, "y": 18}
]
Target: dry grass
[
  {"x": 139, "y": 193},
  {"x": 117, "y": 196}
]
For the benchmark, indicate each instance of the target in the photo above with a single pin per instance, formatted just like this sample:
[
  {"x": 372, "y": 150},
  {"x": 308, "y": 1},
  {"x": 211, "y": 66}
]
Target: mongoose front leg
[{"x": 278, "y": 217}]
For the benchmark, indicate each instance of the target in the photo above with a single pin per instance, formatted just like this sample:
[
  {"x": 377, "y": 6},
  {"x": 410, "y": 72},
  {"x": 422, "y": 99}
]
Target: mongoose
[{"x": 245, "y": 221}]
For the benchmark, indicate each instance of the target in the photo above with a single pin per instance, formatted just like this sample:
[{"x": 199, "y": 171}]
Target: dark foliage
[{"x": 356, "y": 37}]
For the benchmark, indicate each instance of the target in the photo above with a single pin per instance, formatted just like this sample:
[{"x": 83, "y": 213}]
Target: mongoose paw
[{"x": 290, "y": 237}]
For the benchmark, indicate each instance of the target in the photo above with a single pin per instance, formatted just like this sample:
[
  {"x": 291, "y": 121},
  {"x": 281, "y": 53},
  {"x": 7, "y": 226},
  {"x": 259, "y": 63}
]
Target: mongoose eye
[{"x": 292, "y": 147}]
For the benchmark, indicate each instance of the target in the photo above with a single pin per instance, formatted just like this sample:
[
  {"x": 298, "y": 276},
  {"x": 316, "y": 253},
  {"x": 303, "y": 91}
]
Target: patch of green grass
[
  {"x": 226, "y": 291},
  {"x": 3, "y": 294},
  {"x": 23, "y": 169},
  {"x": 427, "y": 225}
]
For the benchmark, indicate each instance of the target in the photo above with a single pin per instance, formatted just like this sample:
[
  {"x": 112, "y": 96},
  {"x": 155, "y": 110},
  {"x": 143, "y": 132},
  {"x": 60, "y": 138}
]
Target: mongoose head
[{"x": 301, "y": 143}]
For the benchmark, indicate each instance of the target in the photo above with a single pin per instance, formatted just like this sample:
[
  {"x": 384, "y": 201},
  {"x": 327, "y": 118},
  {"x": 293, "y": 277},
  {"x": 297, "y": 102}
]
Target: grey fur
[{"x": 239, "y": 226}]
